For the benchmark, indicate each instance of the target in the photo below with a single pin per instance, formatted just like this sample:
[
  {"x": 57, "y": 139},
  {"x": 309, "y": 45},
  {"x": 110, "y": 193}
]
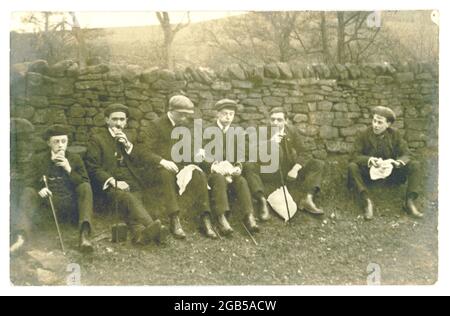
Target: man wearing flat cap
[
  {"x": 68, "y": 186},
  {"x": 113, "y": 161},
  {"x": 226, "y": 173},
  {"x": 381, "y": 154},
  {"x": 159, "y": 143}
]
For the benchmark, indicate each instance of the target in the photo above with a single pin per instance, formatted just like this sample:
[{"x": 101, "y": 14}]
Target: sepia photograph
[{"x": 224, "y": 148}]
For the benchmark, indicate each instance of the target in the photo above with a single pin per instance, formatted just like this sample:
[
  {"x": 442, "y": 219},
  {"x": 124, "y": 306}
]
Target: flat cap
[
  {"x": 226, "y": 104},
  {"x": 56, "y": 130},
  {"x": 116, "y": 107},
  {"x": 180, "y": 103},
  {"x": 385, "y": 112}
]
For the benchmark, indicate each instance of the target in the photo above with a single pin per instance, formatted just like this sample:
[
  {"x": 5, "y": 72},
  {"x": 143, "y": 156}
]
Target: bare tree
[{"x": 170, "y": 32}]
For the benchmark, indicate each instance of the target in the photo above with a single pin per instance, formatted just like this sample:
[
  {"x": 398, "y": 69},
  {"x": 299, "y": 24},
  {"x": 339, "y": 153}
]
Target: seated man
[
  {"x": 381, "y": 152},
  {"x": 294, "y": 170},
  {"x": 229, "y": 180},
  {"x": 112, "y": 161},
  {"x": 68, "y": 186},
  {"x": 158, "y": 142}
]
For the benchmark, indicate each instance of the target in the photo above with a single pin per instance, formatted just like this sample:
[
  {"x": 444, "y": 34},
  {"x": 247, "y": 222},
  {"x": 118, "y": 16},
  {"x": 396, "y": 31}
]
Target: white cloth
[
  {"x": 277, "y": 201},
  {"x": 224, "y": 168},
  {"x": 382, "y": 172},
  {"x": 184, "y": 177}
]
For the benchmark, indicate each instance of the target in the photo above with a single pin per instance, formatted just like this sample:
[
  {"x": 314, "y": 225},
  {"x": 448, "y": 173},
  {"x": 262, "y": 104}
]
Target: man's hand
[
  {"x": 121, "y": 185},
  {"x": 237, "y": 172},
  {"x": 293, "y": 174},
  {"x": 63, "y": 162},
  {"x": 376, "y": 162},
  {"x": 45, "y": 193},
  {"x": 278, "y": 138},
  {"x": 123, "y": 139},
  {"x": 169, "y": 166},
  {"x": 395, "y": 163}
]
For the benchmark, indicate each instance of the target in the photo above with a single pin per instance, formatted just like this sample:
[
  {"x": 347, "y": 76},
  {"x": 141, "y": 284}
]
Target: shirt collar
[
  {"x": 169, "y": 115},
  {"x": 223, "y": 128}
]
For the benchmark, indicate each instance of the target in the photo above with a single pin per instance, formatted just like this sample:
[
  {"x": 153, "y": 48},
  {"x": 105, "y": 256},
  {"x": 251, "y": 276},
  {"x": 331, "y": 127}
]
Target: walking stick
[
  {"x": 283, "y": 184},
  {"x": 54, "y": 216},
  {"x": 250, "y": 234}
]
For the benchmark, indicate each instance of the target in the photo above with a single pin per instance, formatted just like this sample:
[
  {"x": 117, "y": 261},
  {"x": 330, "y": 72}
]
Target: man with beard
[
  {"x": 381, "y": 153},
  {"x": 159, "y": 143},
  {"x": 113, "y": 161}
]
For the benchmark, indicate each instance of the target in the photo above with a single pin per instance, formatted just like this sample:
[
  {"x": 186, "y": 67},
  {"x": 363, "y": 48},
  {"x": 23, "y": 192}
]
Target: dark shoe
[
  {"x": 264, "y": 213},
  {"x": 149, "y": 234},
  {"x": 412, "y": 210},
  {"x": 207, "y": 227},
  {"x": 368, "y": 210},
  {"x": 309, "y": 206},
  {"x": 250, "y": 222},
  {"x": 176, "y": 229},
  {"x": 86, "y": 246},
  {"x": 224, "y": 226}
]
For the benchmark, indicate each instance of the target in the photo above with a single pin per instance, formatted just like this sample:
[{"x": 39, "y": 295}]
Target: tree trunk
[
  {"x": 324, "y": 31},
  {"x": 341, "y": 38}
]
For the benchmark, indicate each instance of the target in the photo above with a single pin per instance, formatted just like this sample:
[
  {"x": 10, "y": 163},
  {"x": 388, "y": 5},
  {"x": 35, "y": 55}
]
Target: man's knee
[
  {"x": 166, "y": 175},
  {"x": 240, "y": 181},
  {"x": 353, "y": 168},
  {"x": 84, "y": 189},
  {"x": 414, "y": 165}
]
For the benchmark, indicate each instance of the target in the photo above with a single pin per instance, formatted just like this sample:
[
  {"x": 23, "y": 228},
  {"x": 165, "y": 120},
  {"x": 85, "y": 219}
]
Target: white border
[{"x": 229, "y": 5}]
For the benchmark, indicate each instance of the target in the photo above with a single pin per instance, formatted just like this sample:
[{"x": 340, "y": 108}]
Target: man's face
[
  {"x": 58, "y": 143},
  {"x": 278, "y": 120},
  {"x": 380, "y": 124},
  {"x": 226, "y": 117},
  {"x": 182, "y": 118},
  {"x": 117, "y": 120}
]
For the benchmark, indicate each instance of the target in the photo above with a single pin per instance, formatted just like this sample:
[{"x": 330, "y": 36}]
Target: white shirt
[
  {"x": 169, "y": 115},
  {"x": 223, "y": 128}
]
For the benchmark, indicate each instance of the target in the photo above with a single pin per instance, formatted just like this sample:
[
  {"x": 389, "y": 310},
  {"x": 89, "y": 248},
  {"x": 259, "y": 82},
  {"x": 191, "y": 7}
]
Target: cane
[
  {"x": 283, "y": 183},
  {"x": 54, "y": 216}
]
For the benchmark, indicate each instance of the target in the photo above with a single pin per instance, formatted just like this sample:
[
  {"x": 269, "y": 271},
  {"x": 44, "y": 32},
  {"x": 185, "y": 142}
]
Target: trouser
[
  {"x": 221, "y": 190},
  {"x": 309, "y": 178},
  {"x": 359, "y": 177},
  {"x": 76, "y": 207},
  {"x": 198, "y": 187}
]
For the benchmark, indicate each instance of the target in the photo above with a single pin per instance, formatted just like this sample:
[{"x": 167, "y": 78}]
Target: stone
[
  {"x": 340, "y": 107},
  {"x": 25, "y": 112},
  {"x": 54, "y": 261},
  {"x": 136, "y": 114},
  {"x": 328, "y": 132},
  {"x": 221, "y": 86},
  {"x": 236, "y": 72},
  {"x": 38, "y": 101},
  {"x": 77, "y": 111},
  {"x": 344, "y": 122},
  {"x": 404, "y": 77},
  {"x": 135, "y": 95},
  {"x": 39, "y": 66},
  {"x": 273, "y": 101},
  {"x": 59, "y": 69},
  {"x": 324, "y": 106},
  {"x": 272, "y": 71},
  {"x": 285, "y": 71},
  {"x": 253, "y": 102},
  {"x": 150, "y": 75},
  {"x": 321, "y": 118},
  {"x": 300, "y": 118},
  {"x": 338, "y": 147},
  {"x": 90, "y": 85},
  {"x": 64, "y": 87},
  {"x": 242, "y": 84},
  {"x": 352, "y": 130}
]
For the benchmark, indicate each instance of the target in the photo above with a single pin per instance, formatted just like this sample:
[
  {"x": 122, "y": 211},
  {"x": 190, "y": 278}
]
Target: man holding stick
[{"x": 59, "y": 178}]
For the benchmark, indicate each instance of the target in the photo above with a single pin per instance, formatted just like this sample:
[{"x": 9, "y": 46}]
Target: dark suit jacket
[
  {"x": 390, "y": 145},
  {"x": 238, "y": 151},
  {"x": 293, "y": 148},
  {"x": 41, "y": 164},
  {"x": 102, "y": 160}
]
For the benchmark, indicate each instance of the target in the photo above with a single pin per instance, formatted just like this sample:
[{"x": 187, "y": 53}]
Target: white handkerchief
[
  {"x": 277, "y": 201},
  {"x": 382, "y": 172},
  {"x": 184, "y": 177}
]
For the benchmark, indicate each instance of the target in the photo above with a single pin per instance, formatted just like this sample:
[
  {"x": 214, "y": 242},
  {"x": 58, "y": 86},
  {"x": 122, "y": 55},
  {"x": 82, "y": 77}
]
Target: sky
[{"x": 122, "y": 19}]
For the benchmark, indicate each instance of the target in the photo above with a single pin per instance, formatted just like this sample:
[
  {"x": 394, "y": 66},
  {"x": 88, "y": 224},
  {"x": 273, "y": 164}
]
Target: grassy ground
[{"x": 332, "y": 250}]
